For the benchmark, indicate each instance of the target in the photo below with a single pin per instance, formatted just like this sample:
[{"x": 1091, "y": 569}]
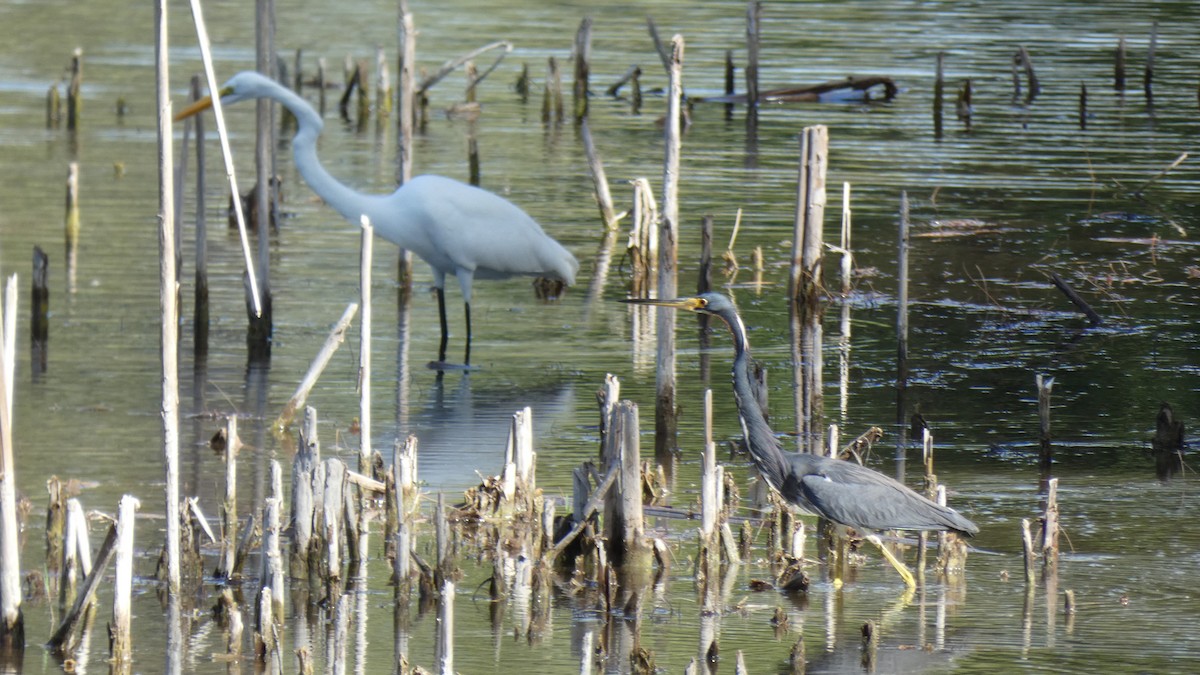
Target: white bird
[{"x": 458, "y": 229}]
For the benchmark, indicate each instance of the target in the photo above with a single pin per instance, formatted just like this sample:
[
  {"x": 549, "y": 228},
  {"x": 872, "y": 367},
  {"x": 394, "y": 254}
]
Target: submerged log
[{"x": 849, "y": 89}]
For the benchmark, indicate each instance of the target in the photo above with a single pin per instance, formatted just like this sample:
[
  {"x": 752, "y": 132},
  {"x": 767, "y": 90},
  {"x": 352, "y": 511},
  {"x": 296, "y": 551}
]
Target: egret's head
[{"x": 245, "y": 85}]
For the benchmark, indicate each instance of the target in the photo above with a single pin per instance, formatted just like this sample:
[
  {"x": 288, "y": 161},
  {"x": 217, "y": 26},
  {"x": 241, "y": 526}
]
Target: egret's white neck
[{"x": 340, "y": 197}]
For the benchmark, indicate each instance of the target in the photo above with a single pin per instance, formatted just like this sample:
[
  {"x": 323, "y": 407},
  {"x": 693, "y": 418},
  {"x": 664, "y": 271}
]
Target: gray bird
[{"x": 840, "y": 491}]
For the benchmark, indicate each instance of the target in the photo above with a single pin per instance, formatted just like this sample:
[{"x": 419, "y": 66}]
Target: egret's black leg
[
  {"x": 441, "y": 298},
  {"x": 467, "y": 356}
]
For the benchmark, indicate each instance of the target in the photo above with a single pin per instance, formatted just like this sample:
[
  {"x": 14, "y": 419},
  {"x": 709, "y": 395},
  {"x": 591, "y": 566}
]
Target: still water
[{"x": 995, "y": 209}]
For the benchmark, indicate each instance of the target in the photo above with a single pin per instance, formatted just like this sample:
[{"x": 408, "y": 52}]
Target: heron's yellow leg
[{"x": 891, "y": 557}]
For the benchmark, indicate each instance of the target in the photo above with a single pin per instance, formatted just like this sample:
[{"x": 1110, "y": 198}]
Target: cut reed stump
[
  {"x": 229, "y": 512},
  {"x": 1049, "y": 542},
  {"x": 120, "y": 636},
  {"x": 623, "y": 525},
  {"x": 308, "y": 456},
  {"x": 1046, "y": 448}
]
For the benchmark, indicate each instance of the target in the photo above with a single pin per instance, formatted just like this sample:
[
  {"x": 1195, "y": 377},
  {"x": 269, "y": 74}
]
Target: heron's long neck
[
  {"x": 760, "y": 439},
  {"x": 342, "y": 198}
]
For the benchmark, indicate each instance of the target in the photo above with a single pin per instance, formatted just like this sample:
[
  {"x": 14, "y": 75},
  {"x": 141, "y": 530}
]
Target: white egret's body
[{"x": 458, "y": 229}]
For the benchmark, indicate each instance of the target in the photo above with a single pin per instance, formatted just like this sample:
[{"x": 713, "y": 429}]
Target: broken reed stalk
[
  {"x": 12, "y": 623},
  {"x": 635, "y": 96},
  {"x": 445, "y": 630},
  {"x": 615, "y": 89},
  {"x": 608, "y": 396},
  {"x": 74, "y": 89},
  {"x": 58, "y": 642},
  {"x": 227, "y": 154},
  {"x": 643, "y": 240},
  {"x": 335, "y": 339},
  {"x": 665, "y": 420},
  {"x": 583, "y": 512},
  {"x": 807, "y": 232},
  {"x": 1148, "y": 74},
  {"x": 1083, "y": 107},
  {"x": 1046, "y": 452},
  {"x": 453, "y": 64},
  {"x": 730, "y": 83},
  {"x": 406, "y": 111},
  {"x": 259, "y": 313},
  {"x": 1076, "y": 299},
  {"x": 704, "y": 276},
  {"x": 709, "y": 488},
  {"x": 405, "y": 119},
  {"x": 552, "y": 98},
  {"x": 39, "y": 324},
  {"x": 56, "y": 523},
  {"x": 201, "y": 314},
  {"x": 308, "y": 456},
  {"x": 962, "y": 106},
  {"x": 77, "y": 554},
  {"x": 902, "y": 299},
  {"x": 229, "y": 515},
  {"x": 1153, "y": 179},
  {"x": 1025, "y": 63},
  {"x": 583, "y": 57},
  {"x": 517, "y": 485},
  {"x": 596, "y": 167},
  {"x": 363, "y": 100},
  {"x": 272, "y": 579},
  {"x": 121, "y": 646},
  {"x": 383, "y": 86},
  {"x": 321, "y": 81},
  {"x": 1049, "y": 541},
  {"x": 1030, "y": 555},
  {"x": 53, "y": 107},
  {"x": 1119, "y": 66},
  {"x": 753, "y": 27}
]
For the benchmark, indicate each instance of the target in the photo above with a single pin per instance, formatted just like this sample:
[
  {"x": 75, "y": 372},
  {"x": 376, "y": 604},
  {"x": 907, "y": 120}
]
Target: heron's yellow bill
[
  {"x": 690, "y": 304},
  {"x": 198, "y": 107}
]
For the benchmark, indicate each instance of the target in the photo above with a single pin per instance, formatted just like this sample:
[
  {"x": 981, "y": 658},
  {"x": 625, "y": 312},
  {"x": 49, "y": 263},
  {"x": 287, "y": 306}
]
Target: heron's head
[
  {"x": 705, "y": 303},
  {"x": 245, "y": 85}
]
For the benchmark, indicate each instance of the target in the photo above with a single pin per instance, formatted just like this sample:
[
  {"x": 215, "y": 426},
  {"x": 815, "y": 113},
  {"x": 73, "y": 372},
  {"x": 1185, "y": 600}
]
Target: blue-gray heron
[
  {"x": 458, "y": 229},
  {"x": 840, "y": 491}
]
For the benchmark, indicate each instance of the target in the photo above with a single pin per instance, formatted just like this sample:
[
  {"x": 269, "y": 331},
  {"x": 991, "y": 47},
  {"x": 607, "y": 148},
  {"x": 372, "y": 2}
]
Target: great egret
[
  {"x": 458, "y": 229},
  {"x": 843, "y": 492}
]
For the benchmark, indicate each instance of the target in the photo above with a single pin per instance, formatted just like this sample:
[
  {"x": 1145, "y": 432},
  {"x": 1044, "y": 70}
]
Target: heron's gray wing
[{"x": 866, "y": 503}]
